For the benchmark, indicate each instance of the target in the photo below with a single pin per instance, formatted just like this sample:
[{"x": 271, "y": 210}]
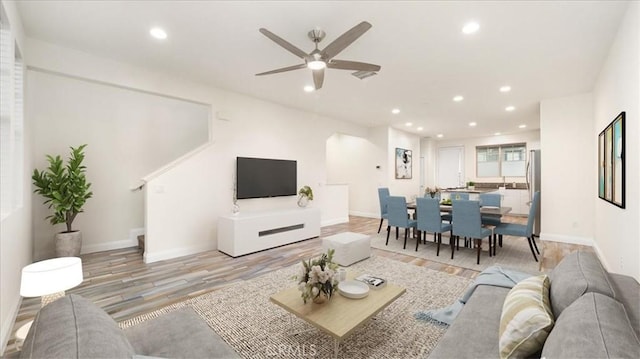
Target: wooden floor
[{"x": 124, "y": 286}]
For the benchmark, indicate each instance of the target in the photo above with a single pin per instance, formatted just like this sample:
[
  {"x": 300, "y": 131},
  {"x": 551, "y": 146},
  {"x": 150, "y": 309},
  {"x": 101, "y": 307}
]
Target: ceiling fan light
[{"x": 316, "y": 65}]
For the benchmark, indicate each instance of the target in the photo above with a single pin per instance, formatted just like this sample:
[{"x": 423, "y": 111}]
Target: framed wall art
[
  {"x": 404, "y": 162},
  {"x": 611, "y": 163}
]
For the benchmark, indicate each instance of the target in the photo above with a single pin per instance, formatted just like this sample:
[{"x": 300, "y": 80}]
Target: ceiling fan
[{"x": 318, "y": 60}]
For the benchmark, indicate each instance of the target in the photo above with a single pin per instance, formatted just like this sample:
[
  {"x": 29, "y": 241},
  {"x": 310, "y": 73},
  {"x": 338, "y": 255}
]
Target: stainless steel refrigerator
[{"x": 533, "y": 184}]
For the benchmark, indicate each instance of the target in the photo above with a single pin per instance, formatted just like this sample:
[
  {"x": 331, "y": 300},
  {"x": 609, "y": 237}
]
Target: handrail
[{"x": 175, "y": 162}]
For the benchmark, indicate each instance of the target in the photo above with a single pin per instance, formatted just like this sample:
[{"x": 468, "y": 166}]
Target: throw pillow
[{"x": 526, "y": 318}]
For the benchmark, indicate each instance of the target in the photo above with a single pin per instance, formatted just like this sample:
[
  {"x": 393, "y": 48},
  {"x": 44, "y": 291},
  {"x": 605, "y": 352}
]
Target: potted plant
[
  {"x": 306, "y": 195},
  {"x": 65, "y": 189},
  {"x": 471, "y": 185}
]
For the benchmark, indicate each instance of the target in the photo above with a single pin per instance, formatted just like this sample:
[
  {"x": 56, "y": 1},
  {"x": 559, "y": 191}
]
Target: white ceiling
[{"x": 542, "y": 49}]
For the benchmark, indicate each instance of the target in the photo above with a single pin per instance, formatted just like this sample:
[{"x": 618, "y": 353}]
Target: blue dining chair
[
  {"x": 383, "y": 195},
  {"x": 521, "y": 230},
  {"x": 491, "y": 200},
  {"x": 454, "y": 196},
  {"x": 399, "y": 217},
  {"x": 429, "y": 220},
  {"x": 467, "y": 223}
]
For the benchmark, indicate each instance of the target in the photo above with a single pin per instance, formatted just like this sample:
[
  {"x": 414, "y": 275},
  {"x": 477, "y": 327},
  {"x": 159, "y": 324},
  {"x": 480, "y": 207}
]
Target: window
[
  {"x": 11, "y": 121},
  {"x": 501, "y": 160}
]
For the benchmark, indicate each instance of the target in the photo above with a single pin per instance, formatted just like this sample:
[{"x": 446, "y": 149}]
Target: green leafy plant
[
  {"x": 64, "y": 186},
  {"x": 306, "y": 191},
  {"x": 471, "y": 183}
]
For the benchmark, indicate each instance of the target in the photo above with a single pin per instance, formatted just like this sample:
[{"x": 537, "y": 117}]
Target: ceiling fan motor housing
[{"x": 316, "y": 35}]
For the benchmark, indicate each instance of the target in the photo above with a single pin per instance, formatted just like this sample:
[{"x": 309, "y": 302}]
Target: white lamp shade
[{"x": 51, "y": 276}]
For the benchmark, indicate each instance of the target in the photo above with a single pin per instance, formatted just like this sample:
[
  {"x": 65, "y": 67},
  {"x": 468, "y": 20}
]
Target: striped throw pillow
[{"x": 526, "y": 318}]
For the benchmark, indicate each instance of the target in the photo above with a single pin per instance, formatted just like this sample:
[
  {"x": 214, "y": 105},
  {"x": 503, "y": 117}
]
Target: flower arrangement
[
  {"x": 432, "y": 191},
  {"x": 318, "y": 277}
]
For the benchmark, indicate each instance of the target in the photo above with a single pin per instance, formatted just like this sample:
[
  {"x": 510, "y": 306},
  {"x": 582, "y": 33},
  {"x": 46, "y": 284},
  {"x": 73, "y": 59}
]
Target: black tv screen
[{"x": 260, "y": 177}]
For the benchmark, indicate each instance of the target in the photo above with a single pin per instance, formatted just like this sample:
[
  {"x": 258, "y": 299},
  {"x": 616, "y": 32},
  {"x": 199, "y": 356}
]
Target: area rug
[
  {"x": 256, "y": 328},
  {"x": 514, "y": 253}
]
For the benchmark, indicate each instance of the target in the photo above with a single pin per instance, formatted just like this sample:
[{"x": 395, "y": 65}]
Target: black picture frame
[{"x": 611, "y": 162}]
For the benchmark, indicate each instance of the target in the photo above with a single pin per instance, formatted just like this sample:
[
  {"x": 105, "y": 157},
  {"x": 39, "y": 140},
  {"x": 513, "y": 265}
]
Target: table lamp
[{"x": 50, "y": 278}]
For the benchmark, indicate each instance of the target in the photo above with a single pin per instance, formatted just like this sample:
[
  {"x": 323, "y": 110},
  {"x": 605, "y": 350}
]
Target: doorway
[{"x": 450, "y": 167}]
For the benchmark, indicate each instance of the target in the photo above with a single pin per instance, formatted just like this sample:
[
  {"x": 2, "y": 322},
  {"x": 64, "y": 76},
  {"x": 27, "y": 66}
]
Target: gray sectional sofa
[
  {"x": 597, "y": 315},
  {"x": 74, "y": 327}
]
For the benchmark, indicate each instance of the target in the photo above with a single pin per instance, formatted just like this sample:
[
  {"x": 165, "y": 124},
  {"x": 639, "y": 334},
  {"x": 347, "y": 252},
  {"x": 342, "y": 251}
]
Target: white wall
[
  {"x": 129, "y": 134},
  {"x": 352, "y": 161},
  {"x": 202, "y": 186},
  {"x": 15, "y": 229},
  {"x": 617, "y": 231},
  {"x": 568, "y": 169},
  {"x": 531, "y": 138}
]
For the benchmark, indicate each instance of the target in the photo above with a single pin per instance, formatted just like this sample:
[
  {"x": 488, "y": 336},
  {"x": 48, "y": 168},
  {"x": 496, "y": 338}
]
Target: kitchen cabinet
[{"x": 516, "y": 199}]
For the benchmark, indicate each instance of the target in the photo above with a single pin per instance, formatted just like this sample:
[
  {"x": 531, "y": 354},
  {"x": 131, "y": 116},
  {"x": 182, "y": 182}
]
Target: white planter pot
[{"x": 303, "y": 201}]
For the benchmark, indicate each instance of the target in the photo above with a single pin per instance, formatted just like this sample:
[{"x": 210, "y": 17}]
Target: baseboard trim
[
  {"x": 364, "y": 214},
  {"x": 101, "y": 247},
  {"x": 602, "y": 258},
  {"x": 330, "y": 222},
  {"x": 7, "y": 326},
  {"x": 174, "y": 253},
  {"x": 552, "y": 237}
]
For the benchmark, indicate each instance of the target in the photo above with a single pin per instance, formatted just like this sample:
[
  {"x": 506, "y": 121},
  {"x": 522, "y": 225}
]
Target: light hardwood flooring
[{"x": 124, "y": 286}]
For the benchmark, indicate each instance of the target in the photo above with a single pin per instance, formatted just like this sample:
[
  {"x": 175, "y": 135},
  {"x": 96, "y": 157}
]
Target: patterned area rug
[
  {"x": 256, "y": 328},
  {"x": 514, "y": 253}
]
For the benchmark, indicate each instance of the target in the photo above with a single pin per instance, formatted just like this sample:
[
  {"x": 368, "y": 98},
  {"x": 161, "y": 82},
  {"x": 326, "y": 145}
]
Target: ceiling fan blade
[
  {"x": 318, "y": 78},
  {"x": 352, "y": 65},
  {"x": 344, "y": 40},
  {"x": 288, "y": 68},
  {"x": 284, "y": 43}
]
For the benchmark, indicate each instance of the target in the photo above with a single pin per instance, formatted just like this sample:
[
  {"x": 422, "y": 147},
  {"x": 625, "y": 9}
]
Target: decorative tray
[{"x": 353, "y": 289}]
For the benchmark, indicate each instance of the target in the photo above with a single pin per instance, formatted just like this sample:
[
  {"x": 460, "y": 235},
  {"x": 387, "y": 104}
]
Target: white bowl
[{"x": 353, "y": 289}]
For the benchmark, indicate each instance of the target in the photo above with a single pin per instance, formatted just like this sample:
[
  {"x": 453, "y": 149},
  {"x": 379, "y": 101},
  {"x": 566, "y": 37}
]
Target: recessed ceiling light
[
  {"x": 470, "y": 27},
  {"x": 509, "y": 108},
  {"x": 395, "y": 111},
  {"x": 309, "y": 88},
  {"x": 497, "y": 133},
  {"x": 458, "y": 98},
  {"x": 505, "y": 88},
  {"x": 419, "y": 128},
  {"x": 408, "y": 124},
  {"x": 522, "y": 126},
  {"x": 439, "y": 135},
  {"x": 472, "y": 124},
  {"x": 158, "y": 33}
]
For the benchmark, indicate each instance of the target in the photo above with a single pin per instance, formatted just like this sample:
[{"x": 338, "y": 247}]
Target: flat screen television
[{"x": 261, "y": 177}]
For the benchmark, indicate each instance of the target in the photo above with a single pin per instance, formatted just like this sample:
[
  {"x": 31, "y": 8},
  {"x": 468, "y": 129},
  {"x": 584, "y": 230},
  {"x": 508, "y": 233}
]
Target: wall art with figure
[{"x": 404, "y": 163}]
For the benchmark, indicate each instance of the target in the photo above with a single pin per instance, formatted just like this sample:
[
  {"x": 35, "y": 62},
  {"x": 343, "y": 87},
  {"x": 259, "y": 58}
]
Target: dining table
[{"x": 495, "y": 211}]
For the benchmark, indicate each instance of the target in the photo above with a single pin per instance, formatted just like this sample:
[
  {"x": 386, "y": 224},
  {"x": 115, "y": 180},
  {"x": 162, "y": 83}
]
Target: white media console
[{"x": 250, "y": 232}]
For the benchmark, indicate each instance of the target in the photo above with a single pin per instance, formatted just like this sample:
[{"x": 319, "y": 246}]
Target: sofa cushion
[
  {"x": 526, "y": 318},
  {"x": 628, "y": 293},
  {"x": 594, "y": 326},
  {"x": 74, "y": 327},
  {"x": 178, "y": 334},
  {"x": 578, "y": 273},
  {"x": 474, "y": 332}
]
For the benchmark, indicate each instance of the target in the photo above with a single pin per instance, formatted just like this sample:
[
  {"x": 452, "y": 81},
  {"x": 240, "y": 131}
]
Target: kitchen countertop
[{"x": 464, "y": 190}]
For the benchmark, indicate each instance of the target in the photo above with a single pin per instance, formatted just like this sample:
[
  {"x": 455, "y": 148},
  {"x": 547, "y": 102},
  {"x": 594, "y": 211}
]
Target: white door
[{"x": 450, "y": 167}]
